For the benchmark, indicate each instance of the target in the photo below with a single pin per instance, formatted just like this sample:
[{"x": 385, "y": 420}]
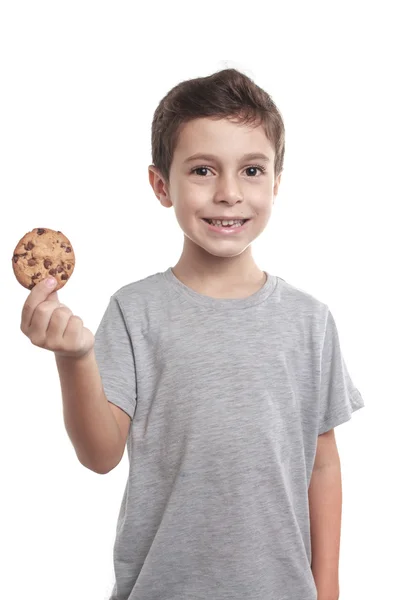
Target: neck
[{"x": 203, "y": 271}]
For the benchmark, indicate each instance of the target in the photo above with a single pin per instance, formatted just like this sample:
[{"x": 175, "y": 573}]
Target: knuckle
[
  {"x": 62, "y": 310},
  {"x": 41, "y": 309},
  {"x": 38, "y": 340},
  {"x": 56, "y": 318}
]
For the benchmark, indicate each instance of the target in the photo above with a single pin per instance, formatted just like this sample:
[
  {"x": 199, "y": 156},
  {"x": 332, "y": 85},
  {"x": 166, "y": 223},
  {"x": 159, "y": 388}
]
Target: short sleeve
[
  {"x": 115, "y": 358},
  {"x": 338, "y": 397}
]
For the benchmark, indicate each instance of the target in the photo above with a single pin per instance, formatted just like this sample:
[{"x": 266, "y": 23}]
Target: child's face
[{"x": 227, "y": 186}]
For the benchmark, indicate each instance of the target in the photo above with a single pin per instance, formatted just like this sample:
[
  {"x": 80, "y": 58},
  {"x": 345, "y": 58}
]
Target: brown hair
[{"x": 224, "y": 94}]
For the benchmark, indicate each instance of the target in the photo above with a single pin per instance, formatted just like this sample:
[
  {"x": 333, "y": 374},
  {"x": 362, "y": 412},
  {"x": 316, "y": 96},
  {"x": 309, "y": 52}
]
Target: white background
[{"x": 79, "y": 84}]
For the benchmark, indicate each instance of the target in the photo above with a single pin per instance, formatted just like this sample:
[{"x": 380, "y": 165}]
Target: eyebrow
[{"x": 250, "y": 156}]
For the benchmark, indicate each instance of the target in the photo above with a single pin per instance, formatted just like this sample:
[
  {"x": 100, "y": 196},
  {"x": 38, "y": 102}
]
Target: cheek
[
  {"x": 185, "y": 214},
  {"x": 189, "y": 204},
  {"x": 263, "y": 205},
  {"x": 266, "y": 209}
]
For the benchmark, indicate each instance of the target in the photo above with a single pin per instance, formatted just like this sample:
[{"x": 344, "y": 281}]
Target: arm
[
  {"x": 96, "y": 431},
  {"x": 325, "y": 502},
  {"x": 89, "y": 420}
]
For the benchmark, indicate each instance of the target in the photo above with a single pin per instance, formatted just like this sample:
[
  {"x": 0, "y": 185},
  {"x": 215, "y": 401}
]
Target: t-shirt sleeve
[
  {"x": 339, "y": 398},
  {"x": 115, "y": 358}
]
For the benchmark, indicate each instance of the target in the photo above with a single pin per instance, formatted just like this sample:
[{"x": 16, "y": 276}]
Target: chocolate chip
[
  {"x": 63, "y": 245},
  {"x": 31, "y": 262},
  {"x": 47, "y": 263},
  {"x": 68, "y": 249},
  {"x": 53, "y": 272},
  {"x": 60, "y": 269},
  {"x": 68, "y": 266},
  {"x": 29, "y": 246},
  {"x": 32, "y": 285},
  {"x": 64, "y": 276},
  {"x": 41, "y": 231},
  {"x": 15, "y": 258}
]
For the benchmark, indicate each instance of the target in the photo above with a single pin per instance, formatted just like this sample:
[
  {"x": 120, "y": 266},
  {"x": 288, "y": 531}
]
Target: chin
[
  {"x": 227, "y": 253},
  {"x": 234, "y": 250}
]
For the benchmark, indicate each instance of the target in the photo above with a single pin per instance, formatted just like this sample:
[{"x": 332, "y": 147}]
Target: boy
[{"x": 224, "y": 381}]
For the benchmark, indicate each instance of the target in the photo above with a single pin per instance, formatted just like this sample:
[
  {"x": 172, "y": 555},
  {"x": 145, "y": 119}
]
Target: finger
[
  {"x": 53, "y": 297},
  {"x": 58, "y": 323},
  {"x": 39, "y": 293},
  {"x": 73, "y": 333},
  {"x": 40, "y": 322}
]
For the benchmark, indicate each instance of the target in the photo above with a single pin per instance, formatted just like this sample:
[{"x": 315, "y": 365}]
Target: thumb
[{"x": 53, "y": 297}]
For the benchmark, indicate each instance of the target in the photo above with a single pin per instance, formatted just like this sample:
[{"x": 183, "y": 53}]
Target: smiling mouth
[{"x": 226, "y": 222}]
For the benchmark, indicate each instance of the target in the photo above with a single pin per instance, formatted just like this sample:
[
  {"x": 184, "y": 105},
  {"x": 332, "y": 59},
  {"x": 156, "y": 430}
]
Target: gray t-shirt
[{"x": 227, "y": 399}]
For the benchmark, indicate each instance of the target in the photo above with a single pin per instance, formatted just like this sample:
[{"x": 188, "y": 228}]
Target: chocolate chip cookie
[{"x": 41, "y": 253}]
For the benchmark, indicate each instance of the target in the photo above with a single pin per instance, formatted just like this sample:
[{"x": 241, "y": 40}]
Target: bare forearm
[
  {"x": 89, "y": 421},
  {"x": 325, "y": 501}
]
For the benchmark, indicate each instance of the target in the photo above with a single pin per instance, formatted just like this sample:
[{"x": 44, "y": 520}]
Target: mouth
[
  {"x": 225, "y": 227},
  {"x": 226, "y": 223}
]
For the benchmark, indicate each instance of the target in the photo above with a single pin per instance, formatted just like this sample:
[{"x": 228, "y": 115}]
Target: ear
[
  {"x": 277, "y": 184},
  {"x": 159, "y": 185}
]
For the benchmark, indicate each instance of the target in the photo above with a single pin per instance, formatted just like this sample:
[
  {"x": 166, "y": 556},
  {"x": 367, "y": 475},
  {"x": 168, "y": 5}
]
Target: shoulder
[
  {"x": 305, "y": 320},
  {"x": 299, "y": 303},
  {"x": 146, "y": 292}
]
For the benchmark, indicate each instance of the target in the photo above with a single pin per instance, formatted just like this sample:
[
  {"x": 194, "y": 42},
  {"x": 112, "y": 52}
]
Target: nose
[{"x": 228, "y": 191}]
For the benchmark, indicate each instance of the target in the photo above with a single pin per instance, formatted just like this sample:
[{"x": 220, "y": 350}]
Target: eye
[
  {"x": 262, "y": 169},
  {"x": 204, "y": 168},
  {"x": 199, "y": 169}
]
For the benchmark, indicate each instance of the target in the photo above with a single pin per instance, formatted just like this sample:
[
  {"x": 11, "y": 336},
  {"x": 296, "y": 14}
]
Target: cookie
[{"x": 42, "y": 253}]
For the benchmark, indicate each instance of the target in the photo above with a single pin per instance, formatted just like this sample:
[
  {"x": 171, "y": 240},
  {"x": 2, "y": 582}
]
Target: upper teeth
[{"x": 218, "y": 222}]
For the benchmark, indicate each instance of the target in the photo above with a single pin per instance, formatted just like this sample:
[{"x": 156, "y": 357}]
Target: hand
[{"x": 52, "y": 326}]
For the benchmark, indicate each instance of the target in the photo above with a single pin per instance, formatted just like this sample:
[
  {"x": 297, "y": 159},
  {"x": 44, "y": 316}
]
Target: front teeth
[{"x": 225, "y": 223}]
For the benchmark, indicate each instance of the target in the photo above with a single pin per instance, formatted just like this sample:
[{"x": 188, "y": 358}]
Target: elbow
[
  {"x": 102, "y": 471},
  {"x": 102, "y": 468}
]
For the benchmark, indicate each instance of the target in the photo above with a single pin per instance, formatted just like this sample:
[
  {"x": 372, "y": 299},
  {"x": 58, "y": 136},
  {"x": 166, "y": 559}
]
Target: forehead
[{"x": 225, "y": 138}]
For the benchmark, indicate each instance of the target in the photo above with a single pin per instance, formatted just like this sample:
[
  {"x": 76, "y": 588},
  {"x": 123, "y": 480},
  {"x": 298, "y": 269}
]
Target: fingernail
[{"x": 50, "y": 282}]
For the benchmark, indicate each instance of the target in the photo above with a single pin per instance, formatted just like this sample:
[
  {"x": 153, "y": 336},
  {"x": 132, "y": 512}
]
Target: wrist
[{"x": 74, "y": 358}]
